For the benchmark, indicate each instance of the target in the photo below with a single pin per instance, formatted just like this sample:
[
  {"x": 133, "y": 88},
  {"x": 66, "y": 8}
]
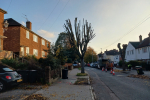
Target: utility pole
[{"x": 92, "y": 56}]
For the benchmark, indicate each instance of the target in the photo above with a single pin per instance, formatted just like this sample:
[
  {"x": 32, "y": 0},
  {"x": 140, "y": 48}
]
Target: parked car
[
  {"x": 95, "y": 65},
  {"x": 88, "y": 64},
  {"x": 8, "y": 77},
  {"x": 91, "y": 64}
]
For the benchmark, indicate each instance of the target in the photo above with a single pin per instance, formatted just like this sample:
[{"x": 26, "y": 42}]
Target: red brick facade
[
  {"x": 16, "y": 39},
  {"x": 2, "y": 12}
]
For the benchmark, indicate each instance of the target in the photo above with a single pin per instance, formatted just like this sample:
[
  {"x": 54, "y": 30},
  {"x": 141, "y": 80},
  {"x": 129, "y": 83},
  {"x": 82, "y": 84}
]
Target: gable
[{"x": 130, "y": 47}]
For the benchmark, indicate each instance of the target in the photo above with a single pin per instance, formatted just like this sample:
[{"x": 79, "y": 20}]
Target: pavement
[
  {"x": 64, "y": 89},
  {"x": 133, "y": 71}
]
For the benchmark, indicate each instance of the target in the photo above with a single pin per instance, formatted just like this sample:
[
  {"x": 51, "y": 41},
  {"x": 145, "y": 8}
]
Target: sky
[{"x": 113, "y": 21}]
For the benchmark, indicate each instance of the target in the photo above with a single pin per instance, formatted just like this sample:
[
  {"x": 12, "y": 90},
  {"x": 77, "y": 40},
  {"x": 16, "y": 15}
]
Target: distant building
[
  {"x": 23, "y": 41},
  {"x": 112, "y": 55}
]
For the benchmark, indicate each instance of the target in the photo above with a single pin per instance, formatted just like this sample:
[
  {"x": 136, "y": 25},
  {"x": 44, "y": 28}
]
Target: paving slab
[{"x": 64, "y": 89}]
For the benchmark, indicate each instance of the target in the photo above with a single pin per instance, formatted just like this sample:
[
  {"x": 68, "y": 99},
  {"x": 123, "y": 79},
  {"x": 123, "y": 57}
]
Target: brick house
[
  {"x": 23, "y": 41},
  {"x": 2, "y": 12}
]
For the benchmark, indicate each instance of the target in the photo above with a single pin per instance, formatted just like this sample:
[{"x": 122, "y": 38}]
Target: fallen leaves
[
  {"x": 116, "y": 70},
  {"x": 36, "y": 97},
  {"x": 81, "y": 81},
  {"x": 139, "y": 76}
]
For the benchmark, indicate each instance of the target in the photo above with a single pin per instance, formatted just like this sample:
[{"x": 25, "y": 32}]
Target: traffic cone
[
  {"x": 103, "y": 69},
  {"x": 113, "y": 72},
  {"x": 106, "y": 69}
]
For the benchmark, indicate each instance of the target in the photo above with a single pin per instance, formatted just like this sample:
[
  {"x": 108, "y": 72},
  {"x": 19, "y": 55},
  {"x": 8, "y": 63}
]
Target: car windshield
[{"x": 7, "y": 69}]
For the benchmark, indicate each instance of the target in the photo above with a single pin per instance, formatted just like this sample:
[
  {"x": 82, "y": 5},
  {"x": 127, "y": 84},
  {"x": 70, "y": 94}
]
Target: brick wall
[
  {"x": 32, "y": 44},
  {"x": 1, "y": 28},
  {"x": 6, "y": 54},
  {"x": 12, "y": 42}
]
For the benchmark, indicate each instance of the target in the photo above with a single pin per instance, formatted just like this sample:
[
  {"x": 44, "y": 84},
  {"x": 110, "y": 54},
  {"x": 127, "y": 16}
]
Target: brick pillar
[{"x": 47, "y": 74}]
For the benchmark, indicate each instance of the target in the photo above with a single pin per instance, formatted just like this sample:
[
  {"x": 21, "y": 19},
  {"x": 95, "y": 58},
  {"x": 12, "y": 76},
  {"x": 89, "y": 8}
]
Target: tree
[
  {"x": 88, "y": 55},
  {"x": 63, "y": 40},
  {"x": 82, "y": 38},
  {"x": 122, "y": 53}
]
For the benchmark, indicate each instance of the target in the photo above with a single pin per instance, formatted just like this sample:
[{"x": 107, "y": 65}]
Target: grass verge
[{"x": 81, "y": 74}]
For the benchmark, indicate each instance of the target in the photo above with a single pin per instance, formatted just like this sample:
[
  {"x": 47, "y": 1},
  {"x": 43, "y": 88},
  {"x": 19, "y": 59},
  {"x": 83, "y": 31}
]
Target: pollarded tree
[
  {"x": 82, "y": 38},
  {"x": 122, "y": 53}
]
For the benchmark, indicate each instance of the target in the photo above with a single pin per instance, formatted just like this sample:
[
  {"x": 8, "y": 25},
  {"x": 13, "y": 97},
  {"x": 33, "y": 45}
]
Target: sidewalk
[
  {"x": 64, "y": 89},
  {"x": 146, "y": 73}
]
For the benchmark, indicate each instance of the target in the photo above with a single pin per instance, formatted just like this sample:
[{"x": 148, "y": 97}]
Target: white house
[
  {"x": 131, "y": 51},
  {"x": 138, "y": 50},
  {"x": 112, "y": 55}
]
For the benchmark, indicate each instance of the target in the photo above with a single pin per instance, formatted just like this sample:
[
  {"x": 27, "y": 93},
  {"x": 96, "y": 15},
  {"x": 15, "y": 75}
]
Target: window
[
  {"x": 27, "y": 34},
  {"x": 43, "y": 54},
  {"x": 35, "y": 39},
  {"x": 144, "y": 49},
  {"x": 35, "y": 52},
  {"x": 127, "y": 52},
  {"x": 139, "y": 51},
  {"x": 43, "y": 42},
  {"x": 47, "y": 44},
  {"x": 27, "y": 50},
  {"x": 132, "y": 52}
]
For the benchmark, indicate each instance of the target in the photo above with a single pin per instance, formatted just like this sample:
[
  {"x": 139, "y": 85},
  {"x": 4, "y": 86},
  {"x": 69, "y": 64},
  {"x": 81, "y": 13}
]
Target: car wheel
[{"x": 2, "y": 86}]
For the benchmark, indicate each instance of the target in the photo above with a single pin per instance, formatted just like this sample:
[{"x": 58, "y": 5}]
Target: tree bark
[{"x": 82, "y": 65}]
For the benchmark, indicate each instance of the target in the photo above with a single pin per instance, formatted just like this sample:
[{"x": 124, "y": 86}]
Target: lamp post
[{"x": 92, "y": 56}]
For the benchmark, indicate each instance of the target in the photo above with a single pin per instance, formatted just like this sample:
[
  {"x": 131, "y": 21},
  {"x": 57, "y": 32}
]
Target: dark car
[
  {"x": 95, "y": 65},
  {"x": 8, "y": 77}
]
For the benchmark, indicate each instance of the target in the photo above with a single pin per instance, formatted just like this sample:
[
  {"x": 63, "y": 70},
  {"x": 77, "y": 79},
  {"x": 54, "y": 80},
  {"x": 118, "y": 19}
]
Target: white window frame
[
  {"x": 144, "y": 49},
  {"x": 27, "y": 34},
  {"x": 35, "y": 52},
  {"x": 43, "y": 42},
  {"x": 35, "y": 38},
  {"x": 43, "y": 54},
  {"x": 27, "y": 50},
  {"x": 47, "y": 44}
]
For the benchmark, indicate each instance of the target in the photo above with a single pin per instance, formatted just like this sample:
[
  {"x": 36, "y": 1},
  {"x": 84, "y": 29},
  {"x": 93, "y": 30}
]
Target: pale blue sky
[{"x": 110, "y": 19}]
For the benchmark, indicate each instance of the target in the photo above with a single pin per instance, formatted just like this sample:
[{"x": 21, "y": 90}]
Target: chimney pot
[
  {"x": 29, "y": 25},
  {"x": 140, "y": 38}
]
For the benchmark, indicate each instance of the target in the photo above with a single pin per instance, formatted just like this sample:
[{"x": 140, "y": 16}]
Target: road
[{"x": 119, "y": 86}]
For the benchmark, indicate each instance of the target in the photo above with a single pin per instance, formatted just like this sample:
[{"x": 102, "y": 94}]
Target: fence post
[{"x": 48, "y": 74}]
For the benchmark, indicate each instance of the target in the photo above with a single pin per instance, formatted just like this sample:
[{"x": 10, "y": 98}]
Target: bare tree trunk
[
  {"x": 82, "y": 65},
  {"x": 123, "y": 66}
]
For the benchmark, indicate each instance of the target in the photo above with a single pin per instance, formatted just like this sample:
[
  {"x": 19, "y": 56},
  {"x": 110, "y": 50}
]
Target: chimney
[
  {"x": 149, "y": 38},
  {"x": 140, "y": 38},
  {"x": 29, "y": 25}
]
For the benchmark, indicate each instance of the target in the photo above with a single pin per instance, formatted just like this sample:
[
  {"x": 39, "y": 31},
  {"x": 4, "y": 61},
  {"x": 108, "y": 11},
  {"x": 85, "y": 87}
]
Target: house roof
[
  {"x": 12, "y": 22},
  {"x": 100, "y": 55},
  {"x": 135, "y": 44},
  {"x": 3, "y": 11},
  {"x": 144, "y": 43},
  {"x": 112, "y": 52}
]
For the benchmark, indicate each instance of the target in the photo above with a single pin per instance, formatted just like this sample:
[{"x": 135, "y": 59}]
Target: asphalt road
[{"x": 119, "y": 86}]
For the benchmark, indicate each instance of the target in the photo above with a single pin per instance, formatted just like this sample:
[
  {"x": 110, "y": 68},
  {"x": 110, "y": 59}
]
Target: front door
[{"x": 22, "y": 51}]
